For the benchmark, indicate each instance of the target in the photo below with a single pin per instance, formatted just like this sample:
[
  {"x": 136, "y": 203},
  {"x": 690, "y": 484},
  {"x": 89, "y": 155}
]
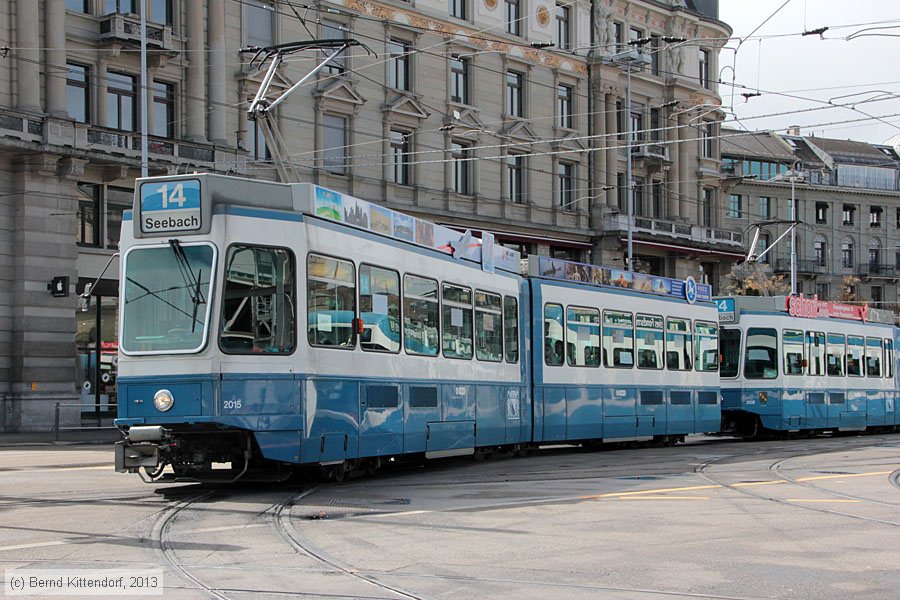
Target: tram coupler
[{"x": 140, "y": 449}]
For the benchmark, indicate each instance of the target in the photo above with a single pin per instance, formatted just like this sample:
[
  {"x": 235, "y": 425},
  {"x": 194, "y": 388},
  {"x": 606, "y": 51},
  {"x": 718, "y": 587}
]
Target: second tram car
[{"x": 794, "y": 364}]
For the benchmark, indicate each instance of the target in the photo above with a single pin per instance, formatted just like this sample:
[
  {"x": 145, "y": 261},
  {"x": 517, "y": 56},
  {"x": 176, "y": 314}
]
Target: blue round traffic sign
[{"x": 690, "y": 290}]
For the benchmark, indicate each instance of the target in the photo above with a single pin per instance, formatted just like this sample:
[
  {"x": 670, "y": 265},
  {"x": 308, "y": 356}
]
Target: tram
[
  {"x": 795, "y": 364},
  {"x": 415, "y": 339}
]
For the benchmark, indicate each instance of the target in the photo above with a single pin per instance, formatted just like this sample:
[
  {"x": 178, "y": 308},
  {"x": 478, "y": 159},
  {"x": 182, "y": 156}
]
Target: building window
[
  {"x": 706, "y": 209},
  {"x": 332, "y": 30},
  {"x": 621, "y": 192},
  {"x": 762, "y": 244},
  {"x": 875, "y": 214},
  {"x": 163, "y": 109},
  {"x": 637, "y": 122},
  {"x": 515, "y": 177},
  {"x": 99, "y": 214},
  {"x": 764, "y": 207},
  {"x": 514, "y": 94},
  {"x": 79, "y": 6},
  {"x": 849, "y": 211},
  {"x": 822, "y": 291},
  {"x": 461, "y": 154},
  {"x": 655, "y": 53},
  {"x": 258, "y": 23},
  {"x": 620, "y": 120},
  {"x": 256, "y": 142},
  {"x": 706, "y": 144},
  {"x": 619, "y": 34},
  {"x": 120, "y": 101},
  {"x": 657, "y": 191},
  {"x": 400, "y": 157},
  {"x": 513, "y": 18},
  {"x": 459, "y": 80},
  {"x": 637, "y": 196},
  {"x": 704, "y": 68},
  {"x": 161, "y": 12},
  {"x": 655, "y": 128},
  {"x": 897, "y": 256},
  {"x": 111, "y": 7},
  {"x": 820, "y": 248},
  {"x": 898, "y": 218},
  {"x": 565, "y": 183},
  {"x": 334, "y": 144},
  {"x": 564, "y": 96},
  {"x": 398, "y": 65},
  {"x": 562, "y": 27},
  {"x": 847, "y": 254},
  {"x": 877, "y": 295},
  {"x": 821, "y": 213},
  {"x": 734, "y": 206},
  {"x": 78, "y": 97},
  {"x": 458, "y": 9}
]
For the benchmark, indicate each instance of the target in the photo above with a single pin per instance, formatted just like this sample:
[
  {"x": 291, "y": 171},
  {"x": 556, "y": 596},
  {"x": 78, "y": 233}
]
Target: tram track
[{"x": 703, "y": 470}]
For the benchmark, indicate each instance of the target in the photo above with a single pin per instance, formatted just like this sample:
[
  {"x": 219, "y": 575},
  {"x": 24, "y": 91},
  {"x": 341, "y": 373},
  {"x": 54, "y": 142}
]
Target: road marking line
[
  {"x": 821, "y": 500},
  {"x": 35, "y": 545},
  {"x": 755, "y": 483},
  {"x": 646, "y": 492},
  {"x": 820, "y": 477},
  {"x": 664, "y": 498}
]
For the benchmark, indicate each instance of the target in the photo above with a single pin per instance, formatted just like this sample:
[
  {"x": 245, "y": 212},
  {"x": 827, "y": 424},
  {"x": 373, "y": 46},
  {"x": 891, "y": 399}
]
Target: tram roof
[
  {"x": 199, "y": 193},
  {"x": 546, "y": 267},
  {"x": 801, "y": 306}
]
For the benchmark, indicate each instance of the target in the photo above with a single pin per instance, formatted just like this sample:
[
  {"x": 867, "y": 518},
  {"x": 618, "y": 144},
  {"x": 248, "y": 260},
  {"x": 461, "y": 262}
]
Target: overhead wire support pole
[{"x": 260, "y": 109}]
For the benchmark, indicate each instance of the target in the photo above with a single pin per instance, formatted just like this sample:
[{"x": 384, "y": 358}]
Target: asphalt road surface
[{"x": 714, "y": 518}]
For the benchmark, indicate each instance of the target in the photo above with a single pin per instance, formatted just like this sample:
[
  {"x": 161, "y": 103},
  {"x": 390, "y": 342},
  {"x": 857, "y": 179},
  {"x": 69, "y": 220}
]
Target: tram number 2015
[{"x": 231, "y": 404}]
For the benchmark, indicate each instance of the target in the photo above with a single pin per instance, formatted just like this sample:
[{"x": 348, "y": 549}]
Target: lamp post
[
  {"x": 626, "y": 59},
  {"x": 145, "y": 164}
]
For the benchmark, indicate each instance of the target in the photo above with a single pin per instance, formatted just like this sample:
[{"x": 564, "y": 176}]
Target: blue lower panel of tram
[
  {"x": 816, "y": 410},
  {"x": 876, "y": 411}
]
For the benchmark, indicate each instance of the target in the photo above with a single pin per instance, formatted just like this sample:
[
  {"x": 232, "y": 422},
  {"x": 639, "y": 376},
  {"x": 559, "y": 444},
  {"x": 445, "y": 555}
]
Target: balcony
[
  {"x": 650, "y": 154},
  {"x": 661, "y": 230},
  {"x": 805, "y": 266},
  {"x": 873, "y": 270},
  {"x": 126, "y": 29}
]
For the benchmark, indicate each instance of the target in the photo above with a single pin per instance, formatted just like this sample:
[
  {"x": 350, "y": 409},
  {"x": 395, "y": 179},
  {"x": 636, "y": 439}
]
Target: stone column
[
  {"x": 684, "y": 183},
  {"x": 598, "y": 157},
  {"x": 101, "y": 94},
  {"x": 55, "y": 57},
  {"x": 217, "y": 112},
  {"x": 28, "y": 66},
  {"x": 612, "y": 158},
  {"x": 195, "y": 89},
  {"x": 674, "y": 149}
]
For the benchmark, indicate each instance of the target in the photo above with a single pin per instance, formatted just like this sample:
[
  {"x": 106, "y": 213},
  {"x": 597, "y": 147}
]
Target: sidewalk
[{"x": 106, "y": 436}]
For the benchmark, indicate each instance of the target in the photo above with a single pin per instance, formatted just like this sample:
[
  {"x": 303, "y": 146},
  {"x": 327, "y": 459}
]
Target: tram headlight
[{"x": 163, "y": 400}]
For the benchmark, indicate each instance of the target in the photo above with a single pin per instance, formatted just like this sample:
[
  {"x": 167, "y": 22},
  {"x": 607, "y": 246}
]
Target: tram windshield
[{"x": 165, "y": 308}]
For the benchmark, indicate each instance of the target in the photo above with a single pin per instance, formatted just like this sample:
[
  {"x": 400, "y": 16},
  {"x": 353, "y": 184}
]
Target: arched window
[
  {"x": 820, "y": 251},
  {"x": 847, "y": 253}
]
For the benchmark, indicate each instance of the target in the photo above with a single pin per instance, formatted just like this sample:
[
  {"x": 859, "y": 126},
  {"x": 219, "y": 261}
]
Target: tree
[
  {"x": 848, "y": 288},
  {"x": 749, "y": 280}
]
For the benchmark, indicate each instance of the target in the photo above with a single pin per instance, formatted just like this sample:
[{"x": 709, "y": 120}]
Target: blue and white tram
[
  {"x": 411, "y": 343},
  {"x": 614, "y": 363},
  {"x": 792, "y": 364}
]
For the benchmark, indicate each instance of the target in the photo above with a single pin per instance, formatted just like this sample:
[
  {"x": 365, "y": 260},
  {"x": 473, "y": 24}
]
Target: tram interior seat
[{"x": 647, "y": 359}]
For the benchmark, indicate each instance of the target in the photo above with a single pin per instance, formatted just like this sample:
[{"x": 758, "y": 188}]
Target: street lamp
[{"x": 626, "y": 59}]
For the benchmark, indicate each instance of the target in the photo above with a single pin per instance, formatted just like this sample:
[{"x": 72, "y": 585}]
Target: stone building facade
[
  {"x": 848, "y": 206},
  {"x": 500, "y": 115}
]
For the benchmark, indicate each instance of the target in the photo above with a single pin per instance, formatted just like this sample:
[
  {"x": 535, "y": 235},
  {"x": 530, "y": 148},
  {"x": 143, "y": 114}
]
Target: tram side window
[
  {"x": 730, "y": 349},
  {"x": 815, "y": 347},
  {"x": 379, "y": 309},
  {"x": 457, "y": 313},
  {"x": 649, "y": 341},
  {"x": 488, "y": 326},
  {"x": 421, "y": 316},
  {"x": 706, "y": 342},
  {"x": 792, "y": 344},
  {"x": 553, "y": 335},
  {"x": 874, "y": 351},
  {"x": 855, "y": 349},
  {"x": 331, "y": 301},
  {"x": 511, "y": 328},
  {"x": 679, "y": 351},
  {"x": 835, "y": 352},
  {"x": 618, "y": 339},
  {"x": 582, "y": 337},
  {"x": 258, "y": 306},
  {"x": 889, "y": 359},
  {"x": 761, "y": 357}
]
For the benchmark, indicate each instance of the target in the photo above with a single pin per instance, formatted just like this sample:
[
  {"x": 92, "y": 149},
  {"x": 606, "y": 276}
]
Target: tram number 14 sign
[{"x": 170, "y": 206}]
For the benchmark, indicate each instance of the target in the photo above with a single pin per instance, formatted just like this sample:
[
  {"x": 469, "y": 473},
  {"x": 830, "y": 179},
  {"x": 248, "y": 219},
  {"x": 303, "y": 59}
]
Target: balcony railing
[
  {"x": 678, "y": 232},
  {"x": 127, "y": 28},
  {"x": 871, "y": 269},
  {"x": 652, "y": 152},
  {"x": 804, "y": 265}
]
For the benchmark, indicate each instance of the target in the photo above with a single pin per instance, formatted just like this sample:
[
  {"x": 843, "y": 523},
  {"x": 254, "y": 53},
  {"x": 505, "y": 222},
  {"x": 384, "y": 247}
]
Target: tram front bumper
[{"x": 139, "y": 450}]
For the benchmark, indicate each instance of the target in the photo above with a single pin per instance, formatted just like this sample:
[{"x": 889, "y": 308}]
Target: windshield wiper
[{"x": 193, "y": 283}]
